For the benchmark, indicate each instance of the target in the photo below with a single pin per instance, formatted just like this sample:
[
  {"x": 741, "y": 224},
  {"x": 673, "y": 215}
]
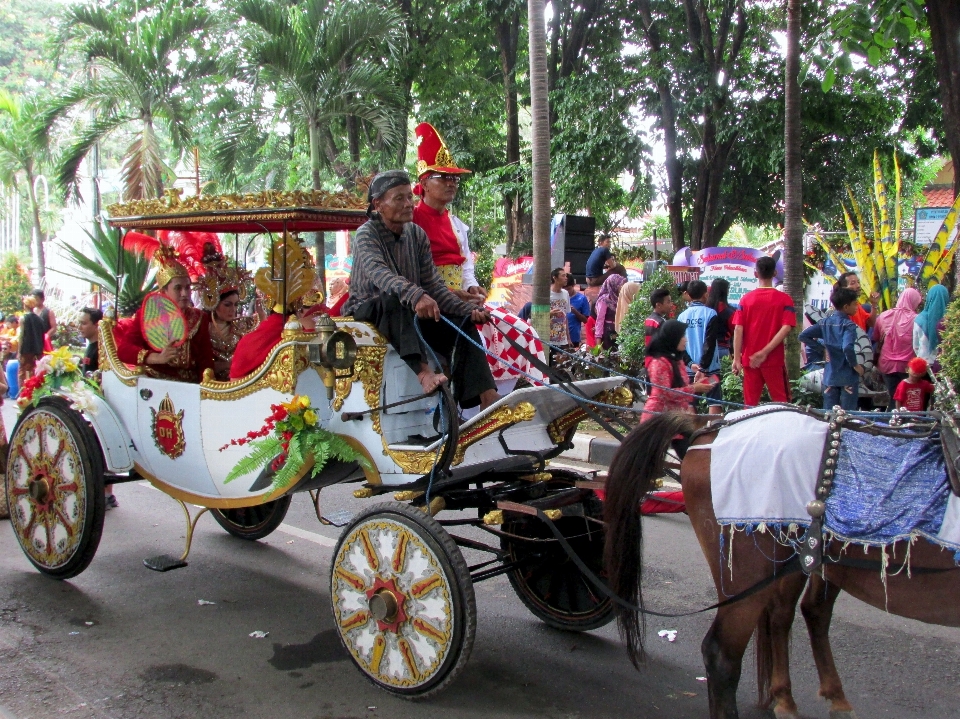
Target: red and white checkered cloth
[{"x": 505, "y": 324}]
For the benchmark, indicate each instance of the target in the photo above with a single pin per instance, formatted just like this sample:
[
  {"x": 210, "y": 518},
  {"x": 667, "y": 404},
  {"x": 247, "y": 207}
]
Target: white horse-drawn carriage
[{"x": 401, "y": 591}]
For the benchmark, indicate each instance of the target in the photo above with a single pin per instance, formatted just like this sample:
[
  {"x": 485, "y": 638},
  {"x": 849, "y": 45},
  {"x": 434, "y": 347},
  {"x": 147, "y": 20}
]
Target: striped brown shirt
[{"x": 384, "y": 262}]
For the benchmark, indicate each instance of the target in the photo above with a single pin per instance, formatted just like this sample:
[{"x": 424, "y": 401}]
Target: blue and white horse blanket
[{"x": 764, "y": 472}]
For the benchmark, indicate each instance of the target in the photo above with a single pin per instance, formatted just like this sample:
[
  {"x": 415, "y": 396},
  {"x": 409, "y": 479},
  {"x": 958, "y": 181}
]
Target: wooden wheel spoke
[
  {"x": 65, "y": 523},
  {"x": 49, "y": 532},
  {"x": 59, "y": 453},
  {"x": 427, "y": 629},
  {"x": 29, "y": 526},
  {"x": 373, "y": 559},
  {"x": 70, "y": 486},
  {"x": 18, "y": 491},
  {"x": 423, "y": 587}
]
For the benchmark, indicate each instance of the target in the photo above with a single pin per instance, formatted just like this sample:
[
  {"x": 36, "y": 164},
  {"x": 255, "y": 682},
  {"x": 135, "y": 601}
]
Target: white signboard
[{"x": 926, "y": 223}]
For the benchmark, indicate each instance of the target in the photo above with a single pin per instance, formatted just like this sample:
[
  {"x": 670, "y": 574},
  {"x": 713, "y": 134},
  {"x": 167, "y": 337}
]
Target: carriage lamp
[{"x": 335, "y": 350}]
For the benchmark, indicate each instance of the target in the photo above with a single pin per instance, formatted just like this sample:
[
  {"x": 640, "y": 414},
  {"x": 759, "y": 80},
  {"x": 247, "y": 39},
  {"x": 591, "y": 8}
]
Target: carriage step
[
  {"x": 340, "y": 518},
  {"x": 163, "y": 563}
]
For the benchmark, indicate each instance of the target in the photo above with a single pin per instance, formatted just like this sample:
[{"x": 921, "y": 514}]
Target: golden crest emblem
[{"x": 168, "y": 429}]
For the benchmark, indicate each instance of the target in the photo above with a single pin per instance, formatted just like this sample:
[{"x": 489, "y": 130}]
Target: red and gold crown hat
[{"x": 433, "y": 155}]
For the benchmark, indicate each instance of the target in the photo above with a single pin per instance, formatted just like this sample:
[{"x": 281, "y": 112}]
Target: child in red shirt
[{"x": 914, "y": 392}]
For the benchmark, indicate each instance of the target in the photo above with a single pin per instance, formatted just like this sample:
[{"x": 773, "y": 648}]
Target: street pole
[{"x": 540, "y": 314}]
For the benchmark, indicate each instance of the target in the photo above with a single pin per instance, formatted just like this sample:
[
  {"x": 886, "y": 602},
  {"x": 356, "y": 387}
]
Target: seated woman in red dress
[
  {"x": 187, "y": 362},
  {"x": 253, "y": 348}
]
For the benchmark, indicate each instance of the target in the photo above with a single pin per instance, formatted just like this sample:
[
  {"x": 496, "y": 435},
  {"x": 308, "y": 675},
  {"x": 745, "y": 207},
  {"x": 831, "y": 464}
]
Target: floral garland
[
  {"x": 290, "y": 437},
  {"x": 59, "y": 373}
]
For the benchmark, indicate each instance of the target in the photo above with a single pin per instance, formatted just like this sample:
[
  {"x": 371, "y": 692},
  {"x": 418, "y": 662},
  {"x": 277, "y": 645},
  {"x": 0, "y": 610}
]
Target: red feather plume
[
  {"x": 141, "y": 244},
  {"x": 194, "y": 249}
]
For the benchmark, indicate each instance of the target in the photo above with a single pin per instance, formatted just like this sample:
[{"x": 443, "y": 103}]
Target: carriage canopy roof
[{"x": 270, "y": 211}]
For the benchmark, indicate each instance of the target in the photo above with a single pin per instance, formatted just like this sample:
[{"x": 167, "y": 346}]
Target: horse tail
[
  {"x": 634, "y": 468},
  {"x": 763, "y": 641}
]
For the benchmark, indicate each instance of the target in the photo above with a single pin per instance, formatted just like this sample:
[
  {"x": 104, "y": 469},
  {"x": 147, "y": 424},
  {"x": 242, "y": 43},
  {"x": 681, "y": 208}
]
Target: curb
[{"x": 592, "y": 450}]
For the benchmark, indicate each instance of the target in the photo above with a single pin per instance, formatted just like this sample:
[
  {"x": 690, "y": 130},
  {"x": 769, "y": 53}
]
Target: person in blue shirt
[
  {"x": 697, "y": 317},
  {"x": 579, "y": 310},
  {"x": 841, "y": 375},
  {"x": 597, "y": 262}
]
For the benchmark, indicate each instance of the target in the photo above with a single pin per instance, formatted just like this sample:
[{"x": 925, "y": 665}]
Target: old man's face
[{"x": 396, "y": 205}]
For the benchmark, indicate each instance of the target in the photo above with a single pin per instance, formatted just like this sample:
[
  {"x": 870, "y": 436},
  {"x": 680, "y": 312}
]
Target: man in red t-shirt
[{"x": 760, "y": 326}]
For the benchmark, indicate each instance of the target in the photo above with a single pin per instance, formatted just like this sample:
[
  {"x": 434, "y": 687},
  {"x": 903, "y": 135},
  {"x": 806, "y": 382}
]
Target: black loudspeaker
[{"x": 574, "y": 242}]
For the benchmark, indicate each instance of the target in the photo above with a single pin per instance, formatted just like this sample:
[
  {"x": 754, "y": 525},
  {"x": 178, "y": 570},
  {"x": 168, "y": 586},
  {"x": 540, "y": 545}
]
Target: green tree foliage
[
  {"x": 950, "y": 343},
  {"x": 328, "y": 63},
  {"x": 142, "y": 59},
  {"x": 22, "y": 156},
  {"x": 14, "y": 284}
]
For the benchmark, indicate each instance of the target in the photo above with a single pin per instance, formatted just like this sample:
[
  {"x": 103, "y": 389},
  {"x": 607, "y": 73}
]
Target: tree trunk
[
  {"x": 943, "y": 17},
  {"x": 314, "y": 135},
  {"x": 668, "y": 123},
  {"x": 793, "y": 181},
  {"x": 508, "y": 32},
  {"x": 540, "y": 114},
  {"x": 353, "y": 140},
  {"x": 35, "y": 208}
]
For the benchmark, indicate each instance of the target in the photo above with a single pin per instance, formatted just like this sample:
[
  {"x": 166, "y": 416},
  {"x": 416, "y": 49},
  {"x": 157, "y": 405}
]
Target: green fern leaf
[{"x": 263, "y": 452}]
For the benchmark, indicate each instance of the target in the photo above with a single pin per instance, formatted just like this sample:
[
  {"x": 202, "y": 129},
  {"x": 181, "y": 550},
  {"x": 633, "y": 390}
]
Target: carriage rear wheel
[
  {"x": 55, "y": 488},
  {"x": 403, "y": 600},
  {"x": 547, "y": 581},
  {"x": 253, "y": 522}
]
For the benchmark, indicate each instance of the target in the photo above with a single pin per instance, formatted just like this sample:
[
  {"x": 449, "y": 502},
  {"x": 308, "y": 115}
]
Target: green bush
[
  {"x": 631, "y": 334},
  {"x": 950, "y": 343}
]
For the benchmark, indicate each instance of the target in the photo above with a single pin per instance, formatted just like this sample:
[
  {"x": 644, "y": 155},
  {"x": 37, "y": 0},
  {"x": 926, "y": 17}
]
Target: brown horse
[{"x": 930, "y": 595}]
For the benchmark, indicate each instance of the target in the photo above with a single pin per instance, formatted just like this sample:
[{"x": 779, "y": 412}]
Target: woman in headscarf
[
  {"x": 627, "y": 293},
  {"x": 606, "y": 310},
  {"x": 670, "y": 388},
  {"x": 893, "y": 331},
  {"x": 928, "y": 325}
]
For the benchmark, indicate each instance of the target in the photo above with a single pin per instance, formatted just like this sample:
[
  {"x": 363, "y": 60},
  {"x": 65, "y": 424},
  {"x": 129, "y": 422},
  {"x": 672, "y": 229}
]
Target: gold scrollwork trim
[
  {"x": 560, "y": 427},
  {"x": 279, "y": 371},
  {"x": 503, "y": 417},
  {"x": 172, "y": 204},
  {"x": 109, "y": 361},
  {"x": 374, "y": 334}
]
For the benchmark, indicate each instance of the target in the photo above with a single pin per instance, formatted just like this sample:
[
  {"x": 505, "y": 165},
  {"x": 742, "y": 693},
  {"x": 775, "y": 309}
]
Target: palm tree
[
  {"x": 329, "y": 61},
  {"x": 540, "y": 113},
  {"x": 21, "y": 155},
  {"x": 142, "y": 61},
  {"x": 100, "y": 265},
  {"x": 793, "y": 179}
]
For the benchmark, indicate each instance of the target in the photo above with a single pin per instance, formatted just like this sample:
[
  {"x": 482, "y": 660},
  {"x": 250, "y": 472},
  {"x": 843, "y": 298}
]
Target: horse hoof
[
  {"x": 786, "y": 714},
  {"x": 781, "y": 713},
  {"x": 843, "y": 714}
]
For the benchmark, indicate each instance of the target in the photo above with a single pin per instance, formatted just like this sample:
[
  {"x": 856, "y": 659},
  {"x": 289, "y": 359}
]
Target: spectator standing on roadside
[
  {"x": 606, "y": 310},
  {"x": 928, "y": 325},
  {"x": 89, "y": 327},
  {"x": 579, "y": 310},
  {"x": 47, "y": 317},
  {"x": 663, "y": 307},
  {"x": 670, "y": 383},
  {"x": 862, "y": 319},
  {"x": 760, "y": 326},
  {"x": 893, "y": 332},
  {"x": 31, "y": 340},
  {"x": 559, "y": 308},
  {"x": 598, "y": 261},
  {"x": 841, "y": 375},
  {"x": 717, "y": 343},
  {"x": 627, "y": 294},
  {"x": 10, "y": 337},
  {"x": 697, "y": 317}
]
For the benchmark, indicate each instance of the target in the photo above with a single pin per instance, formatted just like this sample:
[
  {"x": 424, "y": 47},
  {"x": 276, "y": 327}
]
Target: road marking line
[{"x": 322, "y": 540}]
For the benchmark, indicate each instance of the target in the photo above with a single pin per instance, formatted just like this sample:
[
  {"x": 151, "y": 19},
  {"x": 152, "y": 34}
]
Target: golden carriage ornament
[{"x": 400, "y": 590}]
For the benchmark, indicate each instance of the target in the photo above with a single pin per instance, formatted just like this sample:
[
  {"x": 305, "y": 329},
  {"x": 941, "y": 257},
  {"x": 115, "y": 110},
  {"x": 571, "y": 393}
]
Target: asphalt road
[{"x": 122, "y": 641}]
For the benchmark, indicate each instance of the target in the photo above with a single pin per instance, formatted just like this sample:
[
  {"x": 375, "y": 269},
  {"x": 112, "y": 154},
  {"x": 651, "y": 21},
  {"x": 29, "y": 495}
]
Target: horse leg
[
  {"x": 723, "y": 649},
  {"x": 773, "y": 648},
  {"x": 817, "y": 608}
]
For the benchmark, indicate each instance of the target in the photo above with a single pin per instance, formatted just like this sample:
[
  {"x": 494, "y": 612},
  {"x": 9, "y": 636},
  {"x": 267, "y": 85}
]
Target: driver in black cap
[{"x": 394, "y": 278}]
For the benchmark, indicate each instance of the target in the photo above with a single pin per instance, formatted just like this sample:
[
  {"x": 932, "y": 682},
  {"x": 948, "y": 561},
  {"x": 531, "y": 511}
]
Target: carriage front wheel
[
  {"x": 55, "y": 488},
  {"x": 403, "y": 600}
]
